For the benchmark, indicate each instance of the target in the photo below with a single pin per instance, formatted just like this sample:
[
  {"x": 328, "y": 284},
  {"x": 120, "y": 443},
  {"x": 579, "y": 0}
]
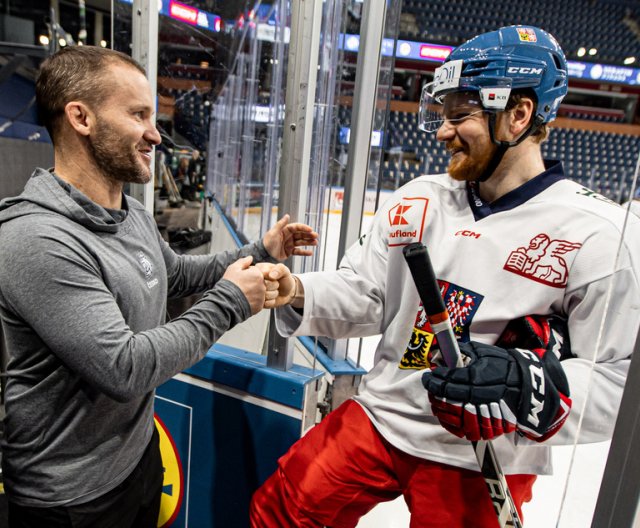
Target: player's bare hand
[
  {"x": 284, "y": 239},
  {"x": 271, "y": 294},
  {"x": 250, "y": 280},
  {"x": 279, "y": 283}
]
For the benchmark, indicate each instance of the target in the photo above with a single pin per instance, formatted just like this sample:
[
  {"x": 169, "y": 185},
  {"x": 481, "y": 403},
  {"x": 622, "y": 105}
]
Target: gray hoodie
[{"x": 83, "y": 295}]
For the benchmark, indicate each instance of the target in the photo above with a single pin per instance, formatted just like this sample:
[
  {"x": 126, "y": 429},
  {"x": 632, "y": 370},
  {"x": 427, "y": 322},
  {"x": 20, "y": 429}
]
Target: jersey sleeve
[
  {"x": 347, "y": 302},
  {"x": 603, "y": 318}
]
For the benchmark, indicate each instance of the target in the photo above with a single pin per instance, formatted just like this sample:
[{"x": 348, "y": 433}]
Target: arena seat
[
  {"x": 603, "y": 24},
  {"x": 603, "y": 161}
]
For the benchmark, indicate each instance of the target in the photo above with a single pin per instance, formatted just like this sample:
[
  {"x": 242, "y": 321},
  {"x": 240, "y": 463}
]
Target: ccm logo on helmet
[{"x": 525, "y": 70}]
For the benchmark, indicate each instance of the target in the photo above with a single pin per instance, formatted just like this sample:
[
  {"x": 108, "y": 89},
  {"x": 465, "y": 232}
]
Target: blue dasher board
[{"x": 223, "y": 425}]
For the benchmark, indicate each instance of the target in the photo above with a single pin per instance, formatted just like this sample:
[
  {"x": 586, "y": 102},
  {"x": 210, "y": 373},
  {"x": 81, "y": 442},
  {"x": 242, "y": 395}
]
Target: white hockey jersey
[{"x": 549, "y": 246}]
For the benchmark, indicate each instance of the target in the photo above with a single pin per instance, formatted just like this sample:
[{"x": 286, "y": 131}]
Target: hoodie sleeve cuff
[
  {"x": 238, "y": 302},
  {"x": 261, "y": 254}
]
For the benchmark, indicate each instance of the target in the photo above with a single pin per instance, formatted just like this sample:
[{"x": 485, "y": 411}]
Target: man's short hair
[{"x": 75, "y": 73}]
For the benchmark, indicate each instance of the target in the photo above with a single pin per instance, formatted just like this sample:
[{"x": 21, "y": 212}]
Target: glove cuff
[{"x": 543, "y": 407}]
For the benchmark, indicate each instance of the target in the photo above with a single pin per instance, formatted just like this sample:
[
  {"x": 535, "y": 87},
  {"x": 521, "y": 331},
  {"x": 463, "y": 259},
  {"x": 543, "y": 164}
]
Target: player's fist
[{"x": 280, "y": 284}]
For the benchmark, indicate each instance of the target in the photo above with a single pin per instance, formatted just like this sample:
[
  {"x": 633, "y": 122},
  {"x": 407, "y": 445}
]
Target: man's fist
[{"x": 249, "y": 279}]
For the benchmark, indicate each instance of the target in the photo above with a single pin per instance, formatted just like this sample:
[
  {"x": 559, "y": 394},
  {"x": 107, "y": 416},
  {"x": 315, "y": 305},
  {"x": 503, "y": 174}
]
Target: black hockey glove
[{"x": 501, "y": 390}]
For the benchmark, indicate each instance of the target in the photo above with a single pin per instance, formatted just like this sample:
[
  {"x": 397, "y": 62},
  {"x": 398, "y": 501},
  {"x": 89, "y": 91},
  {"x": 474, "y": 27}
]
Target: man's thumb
[{"x": 244, "y": 262}]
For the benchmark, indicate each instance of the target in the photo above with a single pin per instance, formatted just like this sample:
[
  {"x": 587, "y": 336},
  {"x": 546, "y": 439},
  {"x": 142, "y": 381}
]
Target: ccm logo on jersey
[
  {"x": 467, "y": 233},
  {"x": 406, "y": 221}
]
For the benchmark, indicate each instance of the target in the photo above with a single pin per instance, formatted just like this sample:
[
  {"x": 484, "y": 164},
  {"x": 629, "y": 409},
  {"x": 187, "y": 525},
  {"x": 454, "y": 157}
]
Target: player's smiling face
[{"x": 465, "y": 133}]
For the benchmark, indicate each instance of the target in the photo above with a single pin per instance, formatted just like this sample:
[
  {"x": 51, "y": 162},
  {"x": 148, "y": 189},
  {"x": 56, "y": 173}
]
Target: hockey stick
[{"x": 424, "y": 278}]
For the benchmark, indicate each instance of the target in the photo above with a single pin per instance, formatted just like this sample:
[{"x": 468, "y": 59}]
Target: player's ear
[{"x": 521, "y": 115}]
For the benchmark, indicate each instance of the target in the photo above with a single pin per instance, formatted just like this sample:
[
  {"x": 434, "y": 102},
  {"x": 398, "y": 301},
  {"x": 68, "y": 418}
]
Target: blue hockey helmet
[{"x": 493, "y": 65}]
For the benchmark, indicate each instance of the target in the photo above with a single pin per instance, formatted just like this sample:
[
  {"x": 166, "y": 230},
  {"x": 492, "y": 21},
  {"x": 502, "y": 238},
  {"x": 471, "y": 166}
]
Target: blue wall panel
[{"x": 227, "y": 445}]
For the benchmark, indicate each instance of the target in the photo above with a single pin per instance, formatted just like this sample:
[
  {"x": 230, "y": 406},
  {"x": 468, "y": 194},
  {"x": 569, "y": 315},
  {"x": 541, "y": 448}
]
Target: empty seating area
[
  {"x": 191, "y": 117},
  {"x": 189, "y": 89},
  {"x": 592, "y": 114},
  {"x": 607, "y": 25},
  {"x": 602, "y": 161}
]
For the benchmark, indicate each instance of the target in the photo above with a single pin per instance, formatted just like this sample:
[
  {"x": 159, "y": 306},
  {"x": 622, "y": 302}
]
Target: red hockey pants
[{"x": 343, "y": 467}]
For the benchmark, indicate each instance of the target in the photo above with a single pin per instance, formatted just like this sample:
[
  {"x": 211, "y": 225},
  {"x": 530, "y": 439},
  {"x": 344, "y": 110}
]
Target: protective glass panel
[
  {"x": 120, "y": 31},
  {"x": 24, "y": 142},
  {"x": 339, "y": 40},
  {"x": 245, "y": 126},
  {"x": 599, "y": 145}
]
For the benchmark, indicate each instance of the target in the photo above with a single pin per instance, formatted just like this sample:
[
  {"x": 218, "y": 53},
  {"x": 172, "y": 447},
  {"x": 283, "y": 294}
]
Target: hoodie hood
[{"x": 46, "y": 193}]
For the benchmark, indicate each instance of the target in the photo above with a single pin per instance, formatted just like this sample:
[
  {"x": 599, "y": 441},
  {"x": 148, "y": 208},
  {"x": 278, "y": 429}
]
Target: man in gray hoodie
[{"x": 84, "y": 280}]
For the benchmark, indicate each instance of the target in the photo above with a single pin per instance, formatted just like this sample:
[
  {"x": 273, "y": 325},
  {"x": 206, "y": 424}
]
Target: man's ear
[{"x": 80, "y": 117}]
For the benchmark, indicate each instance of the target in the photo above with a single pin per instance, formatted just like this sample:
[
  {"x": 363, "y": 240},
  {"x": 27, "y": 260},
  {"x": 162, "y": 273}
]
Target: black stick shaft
[
  {"x": 429, "y": 291},
  {"x": 419, "y": 263}
]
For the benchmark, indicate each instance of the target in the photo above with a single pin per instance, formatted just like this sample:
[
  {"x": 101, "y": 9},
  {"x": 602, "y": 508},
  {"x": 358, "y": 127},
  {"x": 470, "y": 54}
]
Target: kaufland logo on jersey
[
  {"x": 396, "y": 214},
  {"x": 399, "y": 233},
  {"x": 406, "y": 221}
]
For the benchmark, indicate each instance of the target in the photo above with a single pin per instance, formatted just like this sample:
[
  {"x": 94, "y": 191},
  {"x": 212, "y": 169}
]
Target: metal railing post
[
  {"x": 144, "y": 41},
  {"x": 302, "y": 72}
]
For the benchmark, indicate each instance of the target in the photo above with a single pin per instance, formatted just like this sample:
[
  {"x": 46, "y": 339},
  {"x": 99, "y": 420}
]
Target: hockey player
[{"x": 509, "y": 236}]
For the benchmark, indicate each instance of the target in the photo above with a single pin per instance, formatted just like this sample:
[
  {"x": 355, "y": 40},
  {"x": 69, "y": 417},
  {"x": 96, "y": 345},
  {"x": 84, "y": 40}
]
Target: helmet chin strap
[{"x": 496, "y": 159}]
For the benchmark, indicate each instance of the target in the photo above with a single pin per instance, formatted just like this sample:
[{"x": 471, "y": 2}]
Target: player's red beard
[
  {"x": 469, "y": 166},
  {"x": 116, "y": 157}
]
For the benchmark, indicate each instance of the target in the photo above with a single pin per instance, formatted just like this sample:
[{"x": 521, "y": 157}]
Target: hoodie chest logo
[{"x": 147, "y": 268}]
